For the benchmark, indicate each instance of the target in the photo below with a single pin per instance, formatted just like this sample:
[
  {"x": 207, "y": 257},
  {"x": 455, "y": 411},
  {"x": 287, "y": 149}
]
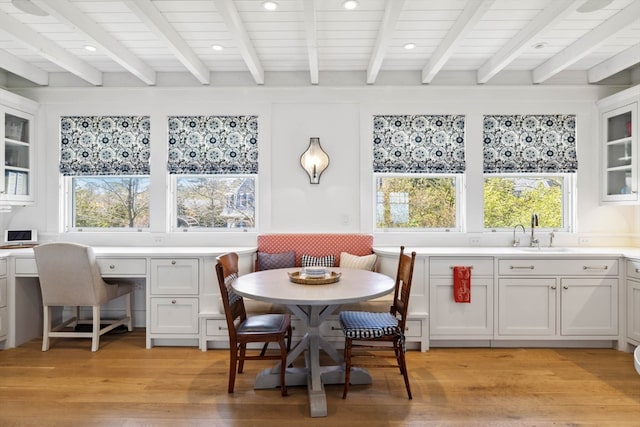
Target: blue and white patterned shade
[
  {"x": 530, "y": 143},
  {"x": 213, "y": 145},
  {"x": 419, "y": 143},
  {"x": 104, "y": 145}
]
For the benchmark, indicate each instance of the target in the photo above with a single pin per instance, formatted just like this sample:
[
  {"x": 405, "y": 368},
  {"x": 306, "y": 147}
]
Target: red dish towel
[{"x": 462, "y": 284}]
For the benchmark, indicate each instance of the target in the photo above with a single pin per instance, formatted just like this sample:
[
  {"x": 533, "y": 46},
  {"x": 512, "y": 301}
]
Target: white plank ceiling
[{"x": 144, "y": 38}]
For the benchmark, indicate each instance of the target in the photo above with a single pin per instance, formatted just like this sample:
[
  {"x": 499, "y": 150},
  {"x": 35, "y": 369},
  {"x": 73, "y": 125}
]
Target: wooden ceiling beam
[
  {"x": 587, "y": 43},
  {"x": 527, "y": 37},
  {"x": 311, "y": 31},
  {"x": 23, "y": 69},
  {"x": 623, "y": 60},
  {"x": 153, "y": 18},
  {"x": 385, "y": 34},
  {"x": 49, "y": 50},
  {"x": 69, "y": 14},
  {"x": 231, "y": 17},
  {"x": 467, "y": 20}
]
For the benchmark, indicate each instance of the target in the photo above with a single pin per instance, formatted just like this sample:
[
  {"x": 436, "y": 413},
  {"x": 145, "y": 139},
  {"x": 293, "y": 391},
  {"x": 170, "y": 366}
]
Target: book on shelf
[
  {"x": 16, "y": 183},
  {"x": 21, "y": 183}
]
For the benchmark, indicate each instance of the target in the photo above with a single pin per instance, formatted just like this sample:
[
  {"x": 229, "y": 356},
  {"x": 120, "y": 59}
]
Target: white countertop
[
  {"x": 518, "y": 252},
  {"x": 147, "y": 251}
]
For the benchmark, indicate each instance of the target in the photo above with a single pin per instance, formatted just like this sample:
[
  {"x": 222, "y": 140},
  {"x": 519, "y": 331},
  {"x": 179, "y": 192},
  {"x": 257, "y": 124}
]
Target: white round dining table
[{"x": 313, "y": 304}]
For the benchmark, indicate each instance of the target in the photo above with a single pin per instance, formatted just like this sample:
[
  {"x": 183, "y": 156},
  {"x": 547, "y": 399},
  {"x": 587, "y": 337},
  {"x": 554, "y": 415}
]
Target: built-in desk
[{"x": 171, "y": 286}]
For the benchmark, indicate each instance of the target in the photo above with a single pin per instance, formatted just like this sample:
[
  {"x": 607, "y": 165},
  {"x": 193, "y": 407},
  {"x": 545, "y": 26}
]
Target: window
[
  {"x": 215, "y": 202},
  {"x": 418, "y": 161},
  {"x": 511, "y": 199},
  {"x": 105, "y": 164},
  {"x": 417, "y": 202},
  {"x": 109, "y": 202},
  {"x": 213, "y": 162},
  {"x": 529, "y": 162}
]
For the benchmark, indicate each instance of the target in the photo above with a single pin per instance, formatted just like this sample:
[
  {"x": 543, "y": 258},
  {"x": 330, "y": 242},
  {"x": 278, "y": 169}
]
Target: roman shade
[
  {"x": 419, "y": 143},
  {"x": 104, "y": 145},
  {"x": 530, "y": 143},
  {"x": 213, "y": 144}
]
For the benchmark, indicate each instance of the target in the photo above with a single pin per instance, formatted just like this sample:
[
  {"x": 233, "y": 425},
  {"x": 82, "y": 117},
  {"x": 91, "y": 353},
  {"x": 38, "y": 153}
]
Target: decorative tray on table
[{"x": 302, "y": 278}]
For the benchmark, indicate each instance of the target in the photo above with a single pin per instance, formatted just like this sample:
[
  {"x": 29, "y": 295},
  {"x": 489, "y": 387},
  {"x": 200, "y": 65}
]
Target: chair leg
[
  {"x": 347, "y": 366},
  {"x": 46, "y": 326},
  {"x": 243, "y": 354},
  {"x": 95, "y": 333},
  {"x": 129, "y": 311},
  {"x": 233, "y": 359},
  {"x": 283, "y": 367},
  {"x": 403, "y": 367}
]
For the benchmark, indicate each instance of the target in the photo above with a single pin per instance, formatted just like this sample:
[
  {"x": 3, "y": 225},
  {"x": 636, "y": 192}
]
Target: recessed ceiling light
[
  {"x": 593, "y": 5},
  {"x": 28, "y": 7},
  {"x": 217, "y": 47},
  {"x": 90, "y": 48},
  {"x": 270, "y": 5},
  {"x": 350, "y": 4},
  {"x": 409, "y": 46}
]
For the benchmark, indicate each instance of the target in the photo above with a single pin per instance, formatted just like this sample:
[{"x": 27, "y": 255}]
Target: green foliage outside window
[
  {"x": 416, "y": 202},
  {"x": 110, "y": 202},
  {"x": 511, "y": 200}
]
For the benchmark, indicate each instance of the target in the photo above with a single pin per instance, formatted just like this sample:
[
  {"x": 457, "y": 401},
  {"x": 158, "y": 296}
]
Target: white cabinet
[
  {"x": 173, "y": 299},
  {"x": 619, "y": 142},
  {"x": 4, "y": 310},
  {"x": 558, "y": 298},
  {"x": 17, "y": 127},
  {"x": 451, "y": 320},
  {"x": 633, "y": 301}
]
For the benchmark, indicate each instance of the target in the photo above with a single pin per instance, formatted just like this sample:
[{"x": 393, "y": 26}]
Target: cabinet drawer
[
  {"x": 174, "y": 315},
  {"x": 216, "y": 327},
  {"x": 25, "y": 267},
  {"x": 332, "y": 328},
  {"x": 179, "y": 276},
  {"x": 444, "y": 266},
  {"x": 122, "y": 266},
  {"x": 3, "y": 267},
  {"x": 555, "y": 267},
  {"x": 3, "y": 292},
  {"x": 633, "y": 269}
]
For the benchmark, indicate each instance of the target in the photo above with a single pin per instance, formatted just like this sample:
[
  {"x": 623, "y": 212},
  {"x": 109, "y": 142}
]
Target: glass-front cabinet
[
  {"x": 620, "y": 154},
  {"x": 16, "y": 157}
]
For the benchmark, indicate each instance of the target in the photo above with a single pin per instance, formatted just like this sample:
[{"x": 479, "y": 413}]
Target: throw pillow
[
  {"x": 366, "y": 262},
  {"x": 267, "y": 261},
  {"x": 321, "y": 261}
]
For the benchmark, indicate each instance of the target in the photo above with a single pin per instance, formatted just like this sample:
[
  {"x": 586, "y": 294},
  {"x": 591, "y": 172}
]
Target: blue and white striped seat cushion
[{"x": 363, "y": 324}]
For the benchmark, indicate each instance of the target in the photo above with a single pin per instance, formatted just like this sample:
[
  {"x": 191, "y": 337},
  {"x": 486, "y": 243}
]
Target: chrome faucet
[
  {"x": 516, "y": 242},
  {"x": 534, "y": 223}
]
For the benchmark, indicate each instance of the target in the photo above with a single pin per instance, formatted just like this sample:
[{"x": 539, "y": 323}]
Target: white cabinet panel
[
  {"x": 589, "y": 306},
  {"x": 174, "y": 315},
  {"x": 633, "y": 310},
  {"x": 174, "y": 276},
  {"x": 527, "y": 306},
  {"x": 468, "y": 319}
]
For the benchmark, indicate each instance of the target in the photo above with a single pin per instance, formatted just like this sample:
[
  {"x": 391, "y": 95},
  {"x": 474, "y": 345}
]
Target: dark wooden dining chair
[
  {"x": 375, "y": 330},
  {"x": 264, "y": 328}
]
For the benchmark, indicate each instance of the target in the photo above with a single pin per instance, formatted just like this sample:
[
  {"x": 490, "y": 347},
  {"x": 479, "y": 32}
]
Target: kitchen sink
[{"x": 543, "y": 249}]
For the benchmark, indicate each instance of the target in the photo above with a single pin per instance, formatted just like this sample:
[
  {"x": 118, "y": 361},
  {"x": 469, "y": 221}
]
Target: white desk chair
[{"x": 69, "y": 276}]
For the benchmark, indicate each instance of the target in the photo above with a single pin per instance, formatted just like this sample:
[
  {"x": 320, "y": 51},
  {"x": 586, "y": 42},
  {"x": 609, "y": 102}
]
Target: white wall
[{"x": 341, "y": 117}]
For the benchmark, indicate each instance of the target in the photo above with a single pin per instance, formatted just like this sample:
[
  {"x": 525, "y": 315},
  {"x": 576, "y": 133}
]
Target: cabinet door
[
  {"x": 527, "y": 307},
  {"x": 174, "y": 315},
  {"x": 448, "y": 318},
  {"x": 633, "y": 309},
  {"x": 589, "y": 306},
  {"x": 17, "y": 129},
  {"x": 174, "y": 276},
  {"x": 619, "y": 155}
]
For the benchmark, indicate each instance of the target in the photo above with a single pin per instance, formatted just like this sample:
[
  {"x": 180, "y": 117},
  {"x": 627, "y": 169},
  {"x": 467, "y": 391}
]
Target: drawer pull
[
  {"x": 604, "y": 267},
  {"x": 553, "y": 287},
  {"x": 173, "y": 301},
  {"x": 112, "y": 267},
  {"x": 521, "y": 267},
  {"x": 173, "y": 262},
  {"x": 637, "y": 270},
  {"x": 451, "y": 267},
  {"x": 565, "y": 287},
  {"x": 333, "y": 328},
  {"x": 222, "y": 328}
]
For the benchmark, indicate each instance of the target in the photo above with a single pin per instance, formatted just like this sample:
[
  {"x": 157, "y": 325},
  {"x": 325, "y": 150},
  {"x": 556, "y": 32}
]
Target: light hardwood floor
[{"x": 124, "y": 384}]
